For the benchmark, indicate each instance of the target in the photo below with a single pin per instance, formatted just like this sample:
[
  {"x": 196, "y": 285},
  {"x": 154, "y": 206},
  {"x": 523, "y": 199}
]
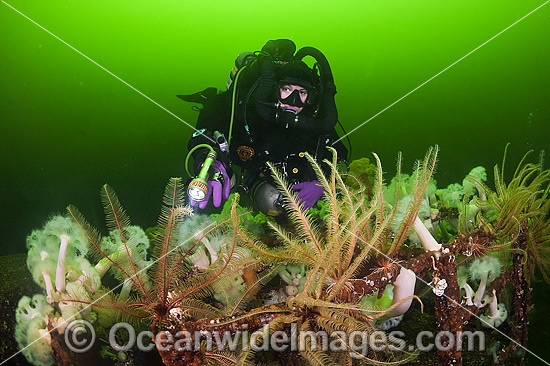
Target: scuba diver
[{"x": 275, "y": 108}]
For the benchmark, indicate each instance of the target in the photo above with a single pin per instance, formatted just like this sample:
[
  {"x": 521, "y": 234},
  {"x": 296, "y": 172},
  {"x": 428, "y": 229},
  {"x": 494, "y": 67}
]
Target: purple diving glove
[
  {"x": 218, "y": 187},
  {"x": 309, "y": 193}
]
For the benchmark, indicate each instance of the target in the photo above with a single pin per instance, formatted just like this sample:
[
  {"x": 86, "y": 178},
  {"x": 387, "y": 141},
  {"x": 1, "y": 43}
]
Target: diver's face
[{"x": 286, "y": 91}]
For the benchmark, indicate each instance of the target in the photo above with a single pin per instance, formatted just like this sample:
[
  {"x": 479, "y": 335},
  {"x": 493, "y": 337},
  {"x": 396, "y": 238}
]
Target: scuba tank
[{"x": 267, "y": 198}]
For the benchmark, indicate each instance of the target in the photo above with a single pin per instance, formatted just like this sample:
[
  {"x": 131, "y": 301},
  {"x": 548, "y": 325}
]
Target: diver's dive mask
[{"x": 294, "y": 99}]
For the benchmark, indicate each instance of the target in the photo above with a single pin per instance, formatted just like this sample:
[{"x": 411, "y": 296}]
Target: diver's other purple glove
[
  {"x": 309, "y": 193},
  {"x": 218, "y": 187}
]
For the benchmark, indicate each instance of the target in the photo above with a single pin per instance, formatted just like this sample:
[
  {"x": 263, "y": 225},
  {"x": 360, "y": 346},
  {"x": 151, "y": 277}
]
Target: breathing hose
[
  {"x": 326, "y": 72},
  {"x": 233, "y": 102}
]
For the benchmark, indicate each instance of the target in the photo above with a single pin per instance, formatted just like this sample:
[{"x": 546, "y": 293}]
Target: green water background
[{"x": 67, "y": 126}]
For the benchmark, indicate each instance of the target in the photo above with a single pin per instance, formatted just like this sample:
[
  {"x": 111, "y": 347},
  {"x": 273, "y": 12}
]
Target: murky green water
[{"x": 68, "y": 126}]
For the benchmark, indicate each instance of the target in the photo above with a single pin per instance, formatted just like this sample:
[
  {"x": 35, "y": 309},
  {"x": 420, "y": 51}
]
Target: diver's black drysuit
[{"x": 263, "y": 133}]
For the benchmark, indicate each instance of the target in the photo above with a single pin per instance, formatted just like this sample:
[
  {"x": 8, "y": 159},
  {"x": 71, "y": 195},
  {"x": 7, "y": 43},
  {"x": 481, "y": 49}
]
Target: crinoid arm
[
  {"x": 297, "y": 215},
  {"x": 423, "y": 173}
]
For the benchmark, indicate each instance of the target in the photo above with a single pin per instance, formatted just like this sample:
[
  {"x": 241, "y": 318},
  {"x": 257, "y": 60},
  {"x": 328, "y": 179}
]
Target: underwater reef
[{"x": 341, "y": 279}]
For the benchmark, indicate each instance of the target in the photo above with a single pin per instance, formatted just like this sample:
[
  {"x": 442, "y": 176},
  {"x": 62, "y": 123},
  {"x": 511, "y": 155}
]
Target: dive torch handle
[{"x": 210, "y": 159}]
